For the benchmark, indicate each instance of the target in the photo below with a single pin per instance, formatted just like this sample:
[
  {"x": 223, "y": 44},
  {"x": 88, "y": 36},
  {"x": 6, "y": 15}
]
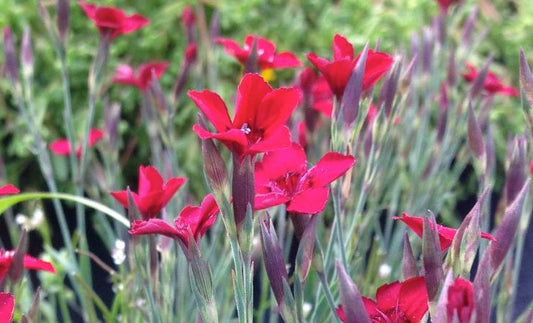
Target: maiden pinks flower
[
  {"x": 338, "y": 71},
  {"x": 267, "y": 58},
  {"x": 62, "y": 146},
  {"x": 460, "y": 305},
  {"x": 196, "y": 219},
  {"x": 405, "y": 302},
  {"x": 30, "y": 263},
  {"x": 493, "y": 84},
  {"x": 282, "y": 177},
  {"x": 111, "y": 21},
  {"x": 9, "y": 189},
  {"x": 153, "y": 193},
  {"x": 142, "y": 77},
  {"x": 260, "y": 116},
  {"x": 446, "y": 234}
]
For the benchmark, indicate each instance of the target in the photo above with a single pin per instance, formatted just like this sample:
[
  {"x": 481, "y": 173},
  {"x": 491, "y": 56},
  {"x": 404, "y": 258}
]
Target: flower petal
[
  {"x": 7, "y": 307},
  {"x": 276, "y": 108},
  {"x": 276, "y": 140},
  {"x": 387, "y": 296},
  {"x": 413, "y": 299},
  {"x": 286, "y": 60},
  {"x": 213, "y": 107},
  {"x": 9, "y": 189},
  {"x": 171, "y": 187},
  {"x": 95, "y": 135},
  {"x": 250, "y": 94},
  {"x": 121, "y": 197},
  {"x": 330, "y": 167},
  {"x": 309, "y": 201},
  {"x": 149, "y": 180},
  {"x": 145, "y": 72},
  {"x": 133, "y": 23},
  {"x": 377, "y": 64},
  {"x": 154, "y": 226},
  {"x": 264, "y": 201},
  {"x": 60, "y": 147},
  {"x": 124, "y": 74},
  {"x": 342, "y": 48},
  {"x": 31, "y": 263},
  {"x": 234, "y": 139}
]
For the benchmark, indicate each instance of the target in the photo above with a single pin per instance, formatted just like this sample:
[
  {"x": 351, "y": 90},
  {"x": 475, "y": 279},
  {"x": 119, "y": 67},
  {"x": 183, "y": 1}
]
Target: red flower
[
  {"x": 460, "y": 301},
  {"x": 282, "y": 177},
  {"x": 338, "y": 71},
  {"x": 124, "y": 74},
  {"x": 267, "y": 58},
  {"x": 196, "y": 219},
  {"x": 112, "y": 21},
  {"x": 153, "y": 193},
  {"x": 62, "y": 146},
  {"x": 7, "y": 306},
  {"x": 445, "y": 234},
  {"x": 493, "y": 84},
  {"x": 404, "y": 302},
  {"x": 30, "y": 263},
  {"x": 260, "y": 116},
  {"x": 9, "y": 189}
]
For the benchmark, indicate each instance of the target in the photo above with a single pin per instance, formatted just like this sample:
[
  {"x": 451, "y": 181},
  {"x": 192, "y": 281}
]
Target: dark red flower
[
  {"x": 111, "y": 21},
  {"x": 190, "y": 53},
  {"x": 30, "y": 263},
  {"x": 260, "y": 116},
  {"x": 338, "y": 71},
  {"x": 493, "y": 84},
  {"x": 196, "y": 219},
  {"x": 7, "y": 306},
  {"x": 282, "y": 177},
  {"x": 405, "y": 302},
  {"x": 124, "y": 74},
  {"x": 460, "y": 301},
  {"x": 62, "y": 146},
  {"x": 9, "y": 189},
  {"x": 267, "y": 58},
  {"x": 153, "y": 194},
  {"x": 188, "y": 18},
  {"x": 446, "y": 234}
]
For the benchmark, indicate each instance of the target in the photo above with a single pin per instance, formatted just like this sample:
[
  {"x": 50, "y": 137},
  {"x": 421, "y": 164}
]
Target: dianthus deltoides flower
[
  {"x": 493, "y": 84},
  {"x": 446, "y": 234},
  {"x": 260, "y": 116},
  {"x": 405, "y": 302},
  {"x": 30, "y": 263},
  {"x": 111, "y": 21},
  {"x": 338, "y": 71},
  {"x": 62, "y": 147},
  {"x": 267, "y": 58},
  {"x": 142, "y": 77},
  {"x": 8, "y": 189},
  {"x": 193, "y": 219},
  {"x": 153, "y": 194},
  {"x": 282, "y": 177}
]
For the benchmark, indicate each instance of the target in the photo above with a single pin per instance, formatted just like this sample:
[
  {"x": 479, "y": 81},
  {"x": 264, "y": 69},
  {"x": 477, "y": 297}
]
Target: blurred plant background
[{"x": 301, "y": 26}]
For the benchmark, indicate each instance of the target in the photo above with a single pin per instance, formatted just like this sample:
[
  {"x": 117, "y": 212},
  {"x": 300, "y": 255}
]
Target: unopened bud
[
  {"x": 62, "y": 19},
  {"x": 11, "y": 56},
  {"x": 273, "y": 258}
]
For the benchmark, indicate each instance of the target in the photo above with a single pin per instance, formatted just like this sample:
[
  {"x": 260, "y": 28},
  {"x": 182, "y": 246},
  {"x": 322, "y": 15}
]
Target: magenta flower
[
  {"x": 153, "y": 193},
  {"x": 445, "y": 4},
  {"x": 318, "y": 91},
  {"x": 446, "y": 234},
  {"x": 62, "y": 146},
  {"x": 30, "y": 263},
  {"x": 338, "y": 71},
  {"x": 111, "y": 21},
  {"x": 7, "y": 307},
  {"x": 493, "y": 84},
  {"x": 8, "y": 189},
  {"x": 260, "y": 116},
  {"x": 461, "y": 304},
  {"x": 142, "y": 77},
  {"x": 405, "y": 302},
  {"x": 282, "y": 177},
  {"x": 267, "y": 58},
  {"x": 193, "y": 219}
]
